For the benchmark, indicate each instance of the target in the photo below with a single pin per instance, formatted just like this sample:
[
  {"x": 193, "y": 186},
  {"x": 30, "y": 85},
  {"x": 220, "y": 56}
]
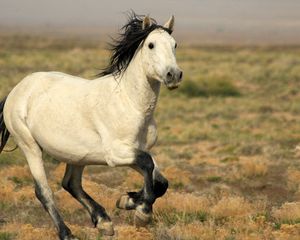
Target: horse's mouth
[{"x": 172, "y": 87}]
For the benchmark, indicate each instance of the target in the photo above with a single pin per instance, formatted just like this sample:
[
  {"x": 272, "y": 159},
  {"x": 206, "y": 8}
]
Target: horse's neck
[{"x": 142, "y": 92}]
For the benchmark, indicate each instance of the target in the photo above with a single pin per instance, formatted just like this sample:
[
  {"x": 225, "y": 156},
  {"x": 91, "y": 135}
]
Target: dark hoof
[
  {"x": 141, "y": 219},
  {"x": 125, "y": 202},
  {"x": 106, "y": 228}
]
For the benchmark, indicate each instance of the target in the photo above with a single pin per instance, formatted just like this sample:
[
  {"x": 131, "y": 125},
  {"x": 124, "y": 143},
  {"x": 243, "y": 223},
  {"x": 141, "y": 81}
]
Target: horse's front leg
[
  {"x": 155, "y": 185},
  {"x": 129, "y": 201}
]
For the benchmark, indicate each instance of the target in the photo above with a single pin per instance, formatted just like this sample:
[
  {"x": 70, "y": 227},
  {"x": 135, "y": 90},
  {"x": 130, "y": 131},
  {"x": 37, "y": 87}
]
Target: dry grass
[
  {"x": 251, "y": 167},
  {"x": 227, "y": 142},
  {"x": 232, "y": 207},
  {"x": 288, "y": 212},
  {"x": 185, "y": 202},
  {"x": 293, "y": 179},
  {"x": 178, "y": 178}
]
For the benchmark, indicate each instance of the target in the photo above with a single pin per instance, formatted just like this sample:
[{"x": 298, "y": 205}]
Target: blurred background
[
  {"x": 197, "y": 21},
  {"x": 227, "y": 137}
]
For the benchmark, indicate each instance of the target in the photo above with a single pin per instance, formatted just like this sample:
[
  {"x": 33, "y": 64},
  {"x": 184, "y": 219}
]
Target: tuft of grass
[
  {"x": 177, "y": 185},
  {"x": 277, "y": 225},
  {"x": 20, "y": 182},
  {"x": 4, "y": 206},
  {"x": 288, "y": 213},
  {"x": 231, "y": 237},
  {"x": 215, "y": 179},
  {"x": 174, "y": 217},
  {"x": 6, "y": 236},
  {"x": 252, "y": 167},
  {"x": 251, "y": 150},
  {"x": 231, "y": 206},
  {"x": 230, "y": 159},
  {"x": 7, "y": 159},
  {"x": 207, "y": 88}
]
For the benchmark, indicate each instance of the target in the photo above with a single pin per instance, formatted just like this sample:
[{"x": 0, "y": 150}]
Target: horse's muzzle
[{"x": 173, "y": 78}]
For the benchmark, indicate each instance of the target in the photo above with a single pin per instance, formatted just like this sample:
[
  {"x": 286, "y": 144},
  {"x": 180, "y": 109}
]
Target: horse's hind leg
[
  {"x": 72, "y": 183},
  {"x": 43, "y": 192}
]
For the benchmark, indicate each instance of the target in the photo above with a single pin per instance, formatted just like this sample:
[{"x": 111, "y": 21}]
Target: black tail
[{"x": 3, "y": 130}]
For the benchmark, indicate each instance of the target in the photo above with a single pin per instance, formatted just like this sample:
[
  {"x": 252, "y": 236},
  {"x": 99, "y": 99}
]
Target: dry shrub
[
  {"x": 293, "y": 179},
  {"x": 251, "y": 167},
  {"x": 232, "y": 207},
  {"x": 288, "y": 212},
  {"x": 185, "y": 202}
]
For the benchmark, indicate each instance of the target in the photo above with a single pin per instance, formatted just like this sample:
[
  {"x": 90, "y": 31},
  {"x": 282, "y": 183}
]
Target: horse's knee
[
  {"x": 161, "y": 184},
  {"x": 145, "y": 162}
]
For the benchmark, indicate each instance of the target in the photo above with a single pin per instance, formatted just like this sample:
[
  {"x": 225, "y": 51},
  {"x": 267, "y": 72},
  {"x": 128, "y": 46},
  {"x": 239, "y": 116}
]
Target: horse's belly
[{"x": 70, "y": 144}]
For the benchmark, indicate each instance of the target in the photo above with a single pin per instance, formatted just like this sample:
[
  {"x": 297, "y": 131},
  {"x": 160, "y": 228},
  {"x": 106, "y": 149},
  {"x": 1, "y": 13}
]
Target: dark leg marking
[
  {"x": 145, "y": 164},
  {"x": 132, "y": 199},
  {"x": 161, "y": 184},
  {"x": 72, "y": 182},
  {"x": 155, "y": 185},
  {"x": 44, "y": 195}
]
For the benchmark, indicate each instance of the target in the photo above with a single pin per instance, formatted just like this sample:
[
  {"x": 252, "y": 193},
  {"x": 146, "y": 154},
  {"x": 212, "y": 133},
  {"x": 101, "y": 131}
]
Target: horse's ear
[
  {"x": 146, "y": 22},
  {"x": 170, "y": 23}
]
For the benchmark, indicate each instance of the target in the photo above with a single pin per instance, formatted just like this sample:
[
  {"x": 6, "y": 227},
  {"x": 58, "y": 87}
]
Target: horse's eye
[
  {"x": 151, "y": 45},
  {"x": 175, "y": 45}
]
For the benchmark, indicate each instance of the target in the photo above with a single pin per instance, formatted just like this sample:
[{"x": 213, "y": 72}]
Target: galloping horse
[{"x": 106, "y": 121}]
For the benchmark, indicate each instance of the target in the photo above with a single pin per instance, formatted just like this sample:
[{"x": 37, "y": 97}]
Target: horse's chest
[{"x": 140, "y": 132}]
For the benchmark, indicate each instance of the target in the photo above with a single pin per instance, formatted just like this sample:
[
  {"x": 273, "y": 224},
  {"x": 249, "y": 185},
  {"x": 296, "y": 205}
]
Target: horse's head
[{"x": 158, "y": 55}]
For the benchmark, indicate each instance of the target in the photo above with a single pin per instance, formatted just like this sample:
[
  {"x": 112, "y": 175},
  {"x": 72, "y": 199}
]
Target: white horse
[{"x": 107, "y": 121}]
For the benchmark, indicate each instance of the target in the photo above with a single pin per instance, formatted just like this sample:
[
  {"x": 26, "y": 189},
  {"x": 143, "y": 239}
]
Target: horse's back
[{"x": 38, "y": 89}]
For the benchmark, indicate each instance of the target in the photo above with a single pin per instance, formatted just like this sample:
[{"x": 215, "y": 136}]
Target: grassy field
[{"x": 227, "y": 143}]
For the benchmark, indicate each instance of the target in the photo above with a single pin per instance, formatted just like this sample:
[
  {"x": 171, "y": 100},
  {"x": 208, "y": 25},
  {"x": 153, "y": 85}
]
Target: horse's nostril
[
  {"x": 169, "y": 74},
  {"x": 180, "y": 75}
]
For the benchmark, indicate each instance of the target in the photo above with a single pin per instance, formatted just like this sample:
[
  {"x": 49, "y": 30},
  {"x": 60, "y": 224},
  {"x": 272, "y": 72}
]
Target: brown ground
[{"x": 227, "y": 143}]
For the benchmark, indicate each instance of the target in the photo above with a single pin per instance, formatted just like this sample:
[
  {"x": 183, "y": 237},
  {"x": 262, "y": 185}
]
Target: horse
[{"x": 106, "y": 121}]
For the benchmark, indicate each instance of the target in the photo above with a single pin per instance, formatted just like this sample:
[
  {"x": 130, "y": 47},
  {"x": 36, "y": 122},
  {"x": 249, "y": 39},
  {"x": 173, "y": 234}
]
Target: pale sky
[{"x": 277, "y": 17}]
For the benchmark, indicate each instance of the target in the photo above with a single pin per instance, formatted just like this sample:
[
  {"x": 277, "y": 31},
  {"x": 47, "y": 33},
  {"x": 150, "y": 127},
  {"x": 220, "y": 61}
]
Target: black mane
[{"x": 124, "y": 47}]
